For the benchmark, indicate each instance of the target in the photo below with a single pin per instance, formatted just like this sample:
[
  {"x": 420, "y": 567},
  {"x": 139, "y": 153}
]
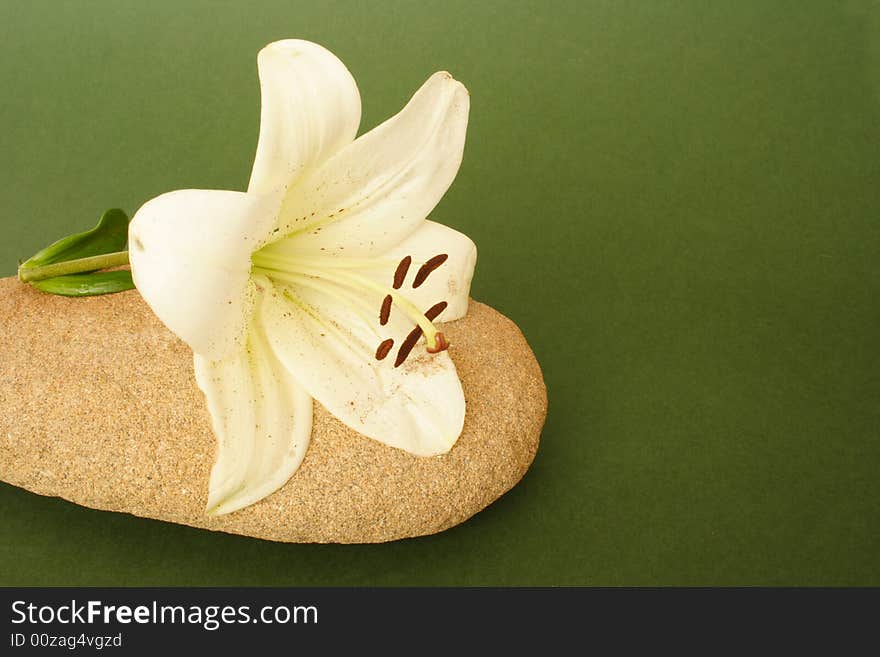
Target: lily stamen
[
  {"x": 385, "y": 310},
  {"x": 426, "y": 269},
  {"x": 383, "y": 348},
  {"x": 400, "y": 272},
  {"x": 287, "y": 269}
]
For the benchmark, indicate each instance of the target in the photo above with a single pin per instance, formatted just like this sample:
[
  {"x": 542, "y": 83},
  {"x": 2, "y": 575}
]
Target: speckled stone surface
[{"x": 98, "y": 405}]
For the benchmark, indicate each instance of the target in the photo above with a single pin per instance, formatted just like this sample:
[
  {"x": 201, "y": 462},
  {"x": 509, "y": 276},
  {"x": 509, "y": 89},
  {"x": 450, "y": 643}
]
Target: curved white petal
[
  {"x": 377, "y": 190},
  {"x": 190, "y": 256},
  {"x": 311, "y": 108},
  {"x": 262, "y": 419},
  {"x": 449, "y": 282},
  {"x": 418, "y": 407}
]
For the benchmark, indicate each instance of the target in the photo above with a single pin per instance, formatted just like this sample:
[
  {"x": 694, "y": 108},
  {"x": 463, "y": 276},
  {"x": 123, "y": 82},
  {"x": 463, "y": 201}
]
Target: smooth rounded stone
[{"x": 99, "y": 406}]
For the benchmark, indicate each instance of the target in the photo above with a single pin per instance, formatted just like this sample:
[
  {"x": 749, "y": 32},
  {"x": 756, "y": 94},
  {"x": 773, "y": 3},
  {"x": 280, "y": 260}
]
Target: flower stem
[{"x": 29, "y": 274}]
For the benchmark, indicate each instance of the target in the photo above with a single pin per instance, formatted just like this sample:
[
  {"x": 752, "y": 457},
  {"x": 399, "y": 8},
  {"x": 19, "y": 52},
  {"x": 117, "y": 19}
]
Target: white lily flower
[{"x": 319, "y": 281}]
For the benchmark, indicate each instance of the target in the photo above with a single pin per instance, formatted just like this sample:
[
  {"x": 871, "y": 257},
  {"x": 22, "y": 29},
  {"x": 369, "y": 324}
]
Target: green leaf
[
  {"x": 109, "y": 236},
  {"x": 72, "y": 265},
  {"x": 86, "y": 285}
]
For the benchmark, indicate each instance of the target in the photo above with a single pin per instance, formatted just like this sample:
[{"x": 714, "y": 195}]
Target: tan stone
[{"x": 98, "y": 405}]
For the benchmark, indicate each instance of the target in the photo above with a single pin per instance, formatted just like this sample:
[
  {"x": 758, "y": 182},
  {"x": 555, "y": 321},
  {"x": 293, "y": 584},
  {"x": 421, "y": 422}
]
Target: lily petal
[
  {"x": 311, "y": 108},
  {"x": 190, "y": 254},
  {"x": 262, "y": 419},
  {"x": 418, "y": 407},
  {"x": 449, "y": 282},
  {"x": 377, "y": 190}
]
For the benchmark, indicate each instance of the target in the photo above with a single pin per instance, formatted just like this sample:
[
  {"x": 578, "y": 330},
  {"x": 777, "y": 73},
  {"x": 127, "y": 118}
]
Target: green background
[{"x": 677, "y": 202}]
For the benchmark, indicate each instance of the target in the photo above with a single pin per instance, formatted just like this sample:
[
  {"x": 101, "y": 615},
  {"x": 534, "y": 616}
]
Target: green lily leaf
[
  {"x": 72, "y": 266},
  {"x": 108, "y": 236},
  {"x": 87, "y": 285}
]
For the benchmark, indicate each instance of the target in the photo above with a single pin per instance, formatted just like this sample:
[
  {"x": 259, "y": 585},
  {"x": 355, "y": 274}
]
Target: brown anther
[
  {"x": 410, "y": 341},
  {"x": 432, "y": 312},
  {"x": 384, "y": 348},
  {"x": 400, "y": 272},
  {"x": 407, "y": 345},
  {"x": 385, "y": 311},
  {"x": 427, "y": 268},
  {"x": 442, "y": 344}
]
